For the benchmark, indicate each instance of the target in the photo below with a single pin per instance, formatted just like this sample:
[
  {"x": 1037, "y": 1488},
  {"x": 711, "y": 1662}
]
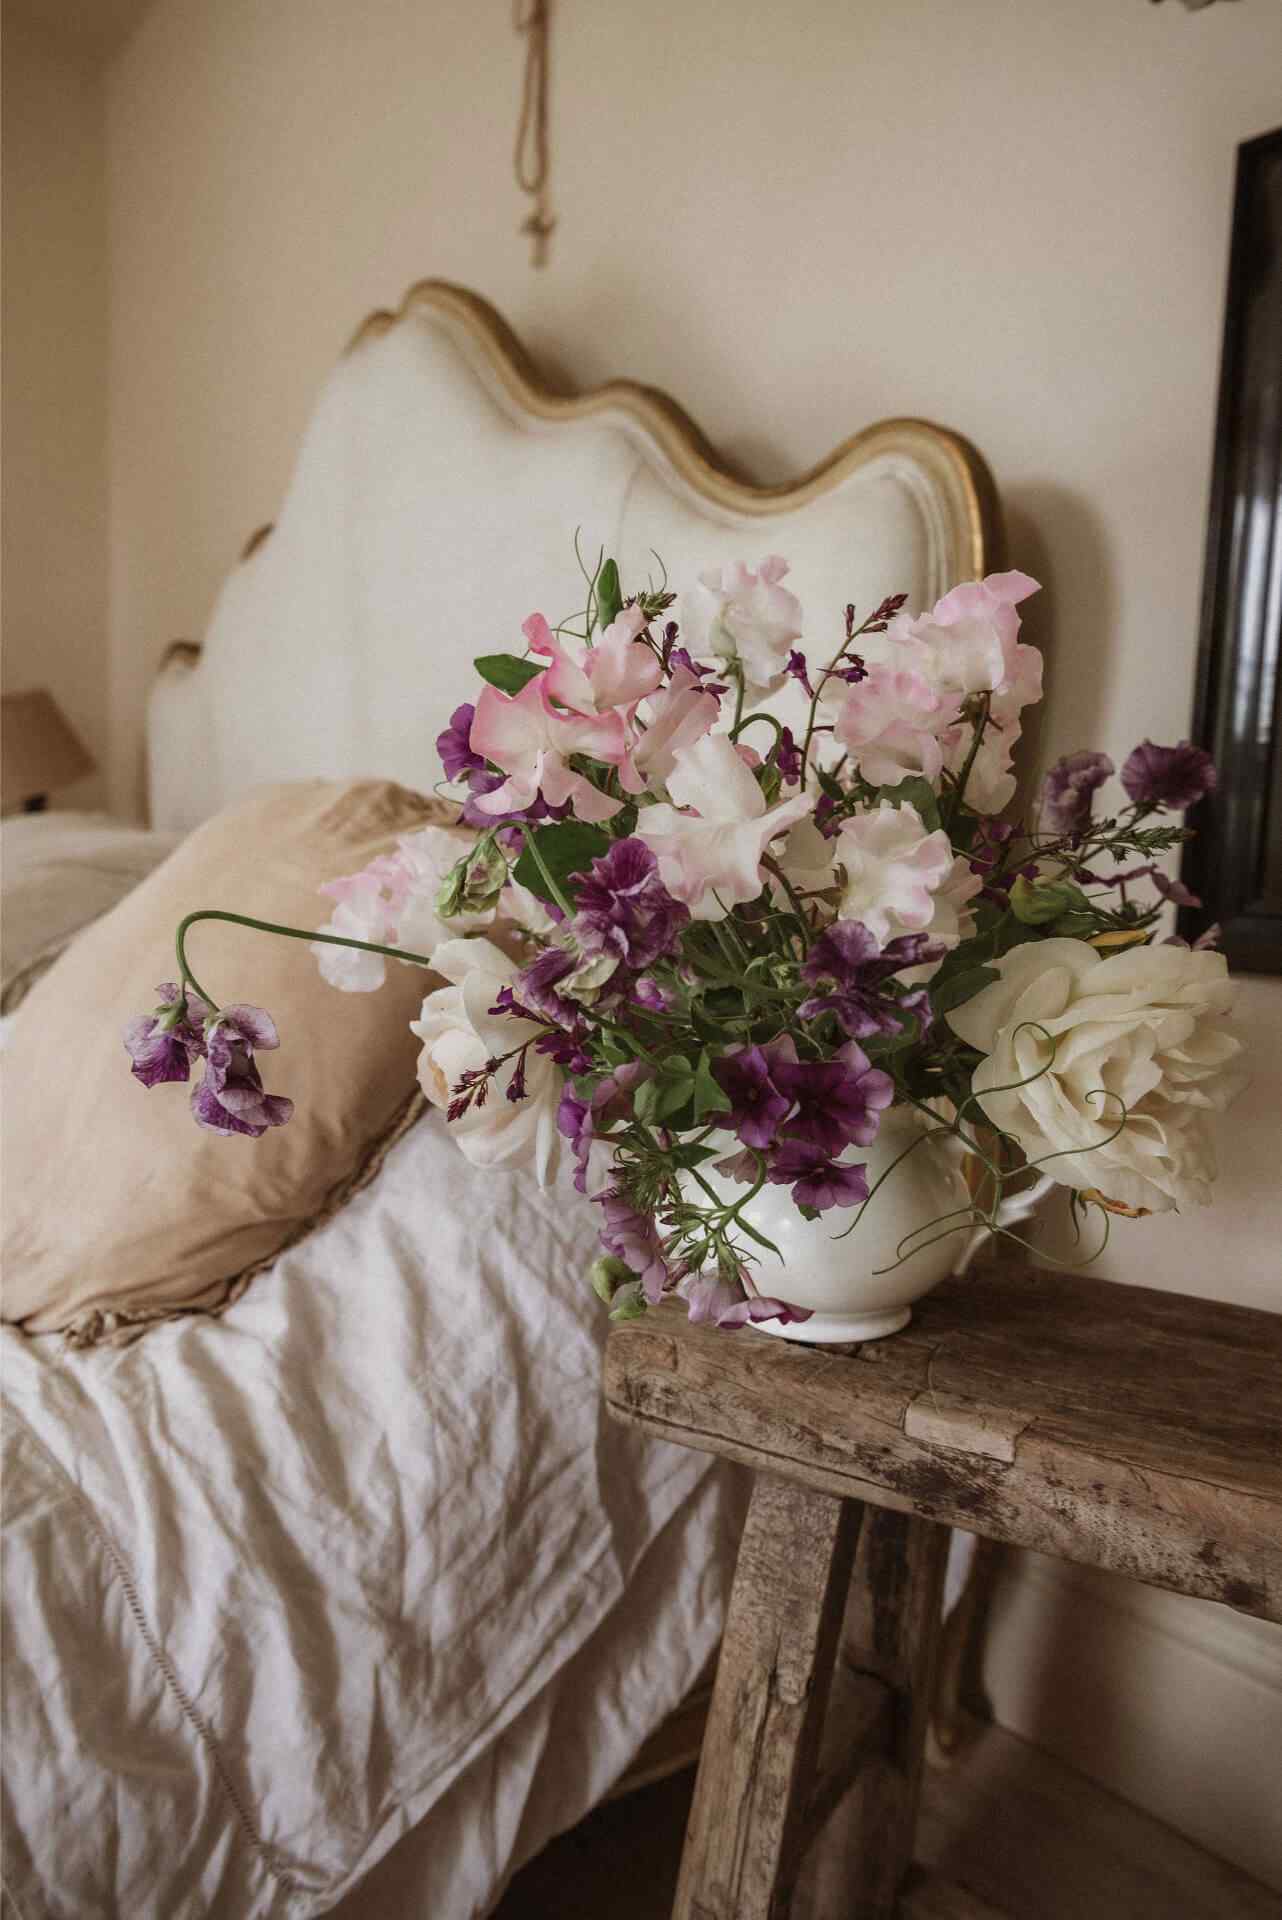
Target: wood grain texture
[
  {"x": 747, "y": 1823},
  {"x": 889, "y": 1640},
  {"x": 1118, "y": 1426}
]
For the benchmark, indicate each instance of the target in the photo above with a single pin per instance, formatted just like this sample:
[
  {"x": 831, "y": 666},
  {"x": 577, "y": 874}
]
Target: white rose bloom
[
  {"x": 744, "y": 616},
  {"x": 1145, "y": 1026},
  {"x": 459, "y": 1034},
  {"x": 893, "y": 869}
]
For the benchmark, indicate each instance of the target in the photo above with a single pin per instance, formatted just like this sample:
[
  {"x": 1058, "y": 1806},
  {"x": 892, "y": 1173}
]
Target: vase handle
[{"x": 1018, "y": 1207}]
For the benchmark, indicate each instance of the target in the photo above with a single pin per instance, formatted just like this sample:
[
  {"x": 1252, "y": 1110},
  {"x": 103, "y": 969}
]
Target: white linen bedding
[{"x": 360, "y": 1557}]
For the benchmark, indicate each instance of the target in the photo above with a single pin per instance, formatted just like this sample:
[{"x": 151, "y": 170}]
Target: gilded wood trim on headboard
[{"x": 957, "y": 467}]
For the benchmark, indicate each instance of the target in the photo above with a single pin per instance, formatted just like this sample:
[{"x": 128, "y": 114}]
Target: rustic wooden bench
[{"x": 1118, "y": 1426}]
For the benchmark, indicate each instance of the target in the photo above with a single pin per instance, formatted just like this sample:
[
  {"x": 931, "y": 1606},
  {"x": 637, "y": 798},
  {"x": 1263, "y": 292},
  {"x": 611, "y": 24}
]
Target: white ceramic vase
[{"x": 859, "y": 1287}]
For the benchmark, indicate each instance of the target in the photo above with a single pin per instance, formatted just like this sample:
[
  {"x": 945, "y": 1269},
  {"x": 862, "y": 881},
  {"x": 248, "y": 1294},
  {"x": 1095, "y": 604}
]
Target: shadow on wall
[{"x": 1062, "y": 540}]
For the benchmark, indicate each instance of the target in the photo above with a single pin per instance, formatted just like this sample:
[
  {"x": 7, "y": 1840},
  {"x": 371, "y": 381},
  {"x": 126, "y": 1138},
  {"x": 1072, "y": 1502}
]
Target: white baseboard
[{"x": 1174, "y": 1704}]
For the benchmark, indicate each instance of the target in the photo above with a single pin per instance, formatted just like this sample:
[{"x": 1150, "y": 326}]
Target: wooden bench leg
[
  {"x": 747, "y": 1828},
  {"x": 891, "y": 1633}
]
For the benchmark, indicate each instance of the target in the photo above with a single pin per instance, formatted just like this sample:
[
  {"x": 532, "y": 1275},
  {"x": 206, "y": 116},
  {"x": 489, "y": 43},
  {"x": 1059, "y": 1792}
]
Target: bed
[{"x": 349, "y": 1600}]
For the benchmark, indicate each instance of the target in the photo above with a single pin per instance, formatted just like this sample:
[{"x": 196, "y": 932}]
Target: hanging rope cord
[{"x": 530, "y": 157}]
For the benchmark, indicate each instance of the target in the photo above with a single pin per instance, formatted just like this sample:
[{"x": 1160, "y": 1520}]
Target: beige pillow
[{"x": 119, "y": 1208}]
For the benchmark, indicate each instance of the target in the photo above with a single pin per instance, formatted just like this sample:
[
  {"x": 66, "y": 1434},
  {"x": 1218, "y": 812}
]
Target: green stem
[
  {"x": 189, "y": 979},
  {"x": 959, "y": 789},
  {"x": 532, "y": 848}
]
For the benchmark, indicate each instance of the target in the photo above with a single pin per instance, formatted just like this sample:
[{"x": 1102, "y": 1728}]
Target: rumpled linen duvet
[{"x": 361, "y": 1559}]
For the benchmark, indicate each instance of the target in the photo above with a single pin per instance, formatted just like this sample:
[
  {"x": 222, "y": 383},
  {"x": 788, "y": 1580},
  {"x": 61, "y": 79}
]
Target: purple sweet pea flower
[
  {"x": 788, "y": 757},
  {"x": 839, "y": 1101},
  {"x": 230, "y": 1098},
  {"x": 817, "y": 1180},
  {"x": 455, "y": 745},
  {"x": 166, "y": 1044},
  {"x": 796, "y": 670},
  {"x": 848, "y": 957},
  {"x": 648, "y": 993},
  {"x": 756, "y": 1103},
  {"x": 1175, "y": 777},
  {"x": 760, "y": 1306},
  {"x": 625, "y": 909},
  {"x": 535, "y": 987},
  {"x": 1069, "y": 788}
]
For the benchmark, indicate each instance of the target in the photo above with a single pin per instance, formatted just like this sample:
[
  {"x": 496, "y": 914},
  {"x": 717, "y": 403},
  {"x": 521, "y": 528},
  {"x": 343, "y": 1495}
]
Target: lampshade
[{"x": 40, "y": 751}]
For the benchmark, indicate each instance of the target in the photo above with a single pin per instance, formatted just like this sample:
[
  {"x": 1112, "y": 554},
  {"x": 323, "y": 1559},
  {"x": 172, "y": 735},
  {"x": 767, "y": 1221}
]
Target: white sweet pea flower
[
  {"x": 952, "y": 920},
  {"x": 1141, "y": 1031},
  {"x": 711, "y": 858},
  {"x": 460, "y": 1035},
  {"x": 744, "y": 616},
  {"x": 894, "y": 868},
  {"x": 426, "y": 857},
  {"x": 807, "y": 859}
]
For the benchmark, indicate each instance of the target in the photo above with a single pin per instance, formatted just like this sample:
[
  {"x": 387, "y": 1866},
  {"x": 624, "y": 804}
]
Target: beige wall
[{"x": 53, "y": 603}]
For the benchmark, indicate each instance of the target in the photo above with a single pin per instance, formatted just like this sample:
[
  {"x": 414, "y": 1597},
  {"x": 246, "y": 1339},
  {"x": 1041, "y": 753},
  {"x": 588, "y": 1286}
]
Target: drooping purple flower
[
  {"x": 756, "y": 1104},
  {"x": 1069, "y": 789},
  {"x": 1175, "y": 777},
  {"x": 847, "y": 959},
  {"x": 839, "y": 1101},
  {"x": 633, "y": 1237},
  {"x": 231, "y": 1098},
  {"x": 788, "y": 757},
  {"x": 455, "y": 745},
  {"x": 165, "y": 1045},
  {"x": 1174, "y": 890},
  {"x": 625, "y": 909},
  {"x": 852, "y": 672},
  {"x": 727, "y": 1303},
  {"x": 817, "y": 1180}
]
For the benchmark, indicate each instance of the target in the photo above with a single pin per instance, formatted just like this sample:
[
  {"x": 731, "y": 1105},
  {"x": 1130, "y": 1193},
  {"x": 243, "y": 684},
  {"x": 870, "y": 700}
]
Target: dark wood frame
[{"x": 1235, "y": 862}]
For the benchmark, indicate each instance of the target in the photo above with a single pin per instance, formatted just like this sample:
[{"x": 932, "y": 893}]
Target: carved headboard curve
[{"x": 437, "y": 489}]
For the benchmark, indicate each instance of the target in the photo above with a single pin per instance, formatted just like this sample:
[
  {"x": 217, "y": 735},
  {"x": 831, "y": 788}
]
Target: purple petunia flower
[
  {"x": 455, "y": 745},
  {"x": 625, "y": 909},
  {"x": 816, "y": 1179},
  {"x": 230, "y": 1098},
  {"x": 166, "y": 1044},
  {"x": 839, "y": 1101},
  {"x": 848, "y": 958},
  {"x": 1069, "y": 788},
  {"x": 1175, "y": 777},
  {"x": 756, "y": 1104}
]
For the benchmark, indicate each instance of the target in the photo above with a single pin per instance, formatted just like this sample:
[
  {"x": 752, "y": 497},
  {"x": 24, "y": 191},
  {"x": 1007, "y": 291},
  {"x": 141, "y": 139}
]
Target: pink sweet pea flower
[
  {"x": 616, "y": 672},
  {"x": 530, "y": 740},
  {"x": 971, "y": 637},
  {"x": 711, "y": 858},
  {"x": 681, "y": 714},
  {"x": 889, "y": 723}
]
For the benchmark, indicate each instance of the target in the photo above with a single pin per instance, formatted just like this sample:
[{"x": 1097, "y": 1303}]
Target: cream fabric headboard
[{"x": 433, "y": 507}]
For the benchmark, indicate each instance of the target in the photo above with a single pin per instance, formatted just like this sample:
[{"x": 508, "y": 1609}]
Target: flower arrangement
[{"x": 731, "y": 943}]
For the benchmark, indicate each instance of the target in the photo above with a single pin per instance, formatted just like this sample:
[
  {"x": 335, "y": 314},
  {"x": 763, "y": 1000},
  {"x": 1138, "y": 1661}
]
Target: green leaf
[
  {"x": 963, "y": 986},
  {"x": 709, "y": 1097},
  {"x": 568, "y": 846},
  {"x": 506, "y": 672},
  {"x": 673, "y": 1095},
  {"x": 609, "y": 595},
  {"x": 914, "y": 792}
]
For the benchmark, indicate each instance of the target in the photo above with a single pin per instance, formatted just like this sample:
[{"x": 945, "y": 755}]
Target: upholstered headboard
[{"x": 433, "y": 507}]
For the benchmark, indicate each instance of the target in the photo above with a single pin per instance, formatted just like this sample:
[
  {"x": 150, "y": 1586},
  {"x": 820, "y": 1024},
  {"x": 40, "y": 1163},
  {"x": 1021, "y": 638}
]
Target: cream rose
[
  {"x": 459, "y": 1035},
  {"x": 1143, "y": 1028}
]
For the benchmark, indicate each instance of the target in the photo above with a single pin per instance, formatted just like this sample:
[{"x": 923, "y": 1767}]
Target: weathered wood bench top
[{"x": 1131, "y": 1429}]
